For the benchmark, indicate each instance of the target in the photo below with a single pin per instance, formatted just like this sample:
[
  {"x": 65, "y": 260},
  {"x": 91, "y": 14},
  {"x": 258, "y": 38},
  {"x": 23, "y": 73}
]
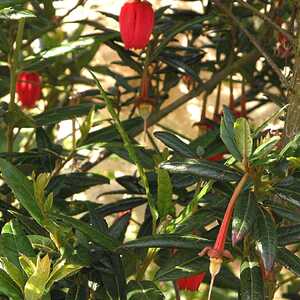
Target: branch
[
  {"x": 253, "y": 40},
  {"x": 267, "y": 19}
]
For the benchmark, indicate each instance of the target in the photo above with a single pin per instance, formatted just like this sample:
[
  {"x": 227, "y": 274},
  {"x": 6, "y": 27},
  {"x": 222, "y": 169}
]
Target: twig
[
  {"x": 131, "y": 151},
  {"x": 253, "y": 40},
  {"x": 267, "y": 19},
  {"x": 177, "y": 292},
  {"x": 13, "y": 62}
]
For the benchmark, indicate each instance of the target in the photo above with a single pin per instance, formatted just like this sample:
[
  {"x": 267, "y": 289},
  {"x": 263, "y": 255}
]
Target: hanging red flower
[
  {"x": 190, "y": 283},
  {"x": 28, "y": 88},
  {"x": 136, "y": 23}
]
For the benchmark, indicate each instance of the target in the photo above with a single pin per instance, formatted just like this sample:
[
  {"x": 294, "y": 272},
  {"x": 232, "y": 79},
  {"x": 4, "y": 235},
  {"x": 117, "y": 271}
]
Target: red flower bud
[
  {"x": 136, "y": 23},
  {"x": 190, "y": 283},
  {"x": 28, "y": 88}
]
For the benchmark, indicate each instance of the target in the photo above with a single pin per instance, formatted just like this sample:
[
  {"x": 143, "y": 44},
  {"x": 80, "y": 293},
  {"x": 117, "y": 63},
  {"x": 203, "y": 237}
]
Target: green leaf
[
  {"x": 121, "y": 205},
  {"x": 177, "y": 29},
  {"x": 8, "y": 287},
  {"x": 99, "y": 238},
  {"x": 118, "y": 229},
  {"x": 288, "y": 234},
  {"x": 175, "y": 143},
  {"x": 14, "y": 273},
  {"x": 243, "y": 137},
  {"x": 265, "y": 148},
  {"x": 168, "y": 241},
  {"x": 18, "y": 118},
  {"x": 7, "y": 3},
  {"x": 35, "y": 285},
  {"x": 22, "y": 188},
  {"x": 182, "y": 265},
  {"x": 252, "y": 287},
  {"x": 266, "y": 238},
  {"x": 87, "y": 124},
  {"x": 227, "y": 134},
  {"x": 61, "y": 269},
  {"x": 28, "y": 265},
  {"x": 245, "y": 213},
  {"x": 58, "y": 114},
  {"x": 10, "y": 13},
  {"x": 165, "y": 205},
  {"x": 66, "y": 185},
  {"x": 13, "y": 242},
  {"x": 66, "y": 47},
  {"x": 287, "y": 213},
  {"x": 289, "y": 260},
  {"x": 204, "y": 169},
  {"x": 110, "y": 133},
  {"x": 145, "y": 290},
  {"x": 42, "y": 243}
]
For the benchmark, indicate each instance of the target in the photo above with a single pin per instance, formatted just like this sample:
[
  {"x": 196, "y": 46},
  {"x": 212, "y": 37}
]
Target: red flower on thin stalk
[
  {"x": 218, "y": 252},
  {"x": 190, "y": 283},
  {"x": 28, "y": 88},
  {"x": 136, "y": 23}
]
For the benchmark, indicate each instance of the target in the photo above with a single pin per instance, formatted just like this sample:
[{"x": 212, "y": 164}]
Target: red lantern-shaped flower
[
  {"x": 28, "y": 88},
  {"x": 136, "y": 23},
  {"x": 190, "y": 283}
]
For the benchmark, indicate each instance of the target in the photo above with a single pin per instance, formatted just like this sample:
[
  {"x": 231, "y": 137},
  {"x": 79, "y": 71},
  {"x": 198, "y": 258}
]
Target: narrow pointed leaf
[
  {"x": 227, "y": 134},
  {"x": 99, "y": 238},
  {"x": 204, "y": 169},
  {"x": 244, "y": 216},
  {"x": 289, "y": 260},
  {"x": 175, "y": 143},
  {"x": 8, "y": 287},
  {"x": 164, "y": 194},
  {"x": 243, "y": 137},
  {"x": 252, "y": 287},
  {"x": 145, "y": 290},
  {"x": 22, "y": 188},
  {"x": 288, "y": 234},
  {"x": 266, "y": 238},
  {"x": 168, "y": 241}
]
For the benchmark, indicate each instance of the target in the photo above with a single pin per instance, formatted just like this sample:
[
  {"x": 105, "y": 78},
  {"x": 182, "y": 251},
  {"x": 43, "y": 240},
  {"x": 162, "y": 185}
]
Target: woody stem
[
  {"x": 222, "y": 234},
  {"x": 13, "y": 63}
]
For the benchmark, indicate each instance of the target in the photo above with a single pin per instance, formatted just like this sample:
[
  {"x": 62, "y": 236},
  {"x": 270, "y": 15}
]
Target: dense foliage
[{"x": 227, "y": 199}]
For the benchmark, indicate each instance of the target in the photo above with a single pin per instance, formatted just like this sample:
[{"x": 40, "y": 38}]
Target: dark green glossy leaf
[
  {"x": 243, "y": 138},
  {"x": 143, "y": 154},
  {"x": 22, "y": 188},
  {"x": 252, "y": 287},
  {"x": 66, "y": 185},
  {"x": 14, "y": 243},
  {"x": 8, "y": 287},
  {"x": 182, "y": 265},
  {"x": 227, "y": 134},
  {"x": 10, "y": 13},
  {"x": 168, "y": 241},
  {"x": 245, "y": 213},
  {"x": 287, "y": 213},
  {"x": 56, "y": 115},
  {"x": 145, "y": 290},
  {"x": 205, "y": 169},
  {"x": 288, "y": 234},
  {"x": 7, "y": 3},
  {"x": 121, "y": 205},
  {"x": 165, "y": 204},
  {"x": 118, "y": 229},
  {"x": 110, "y": 133},
  {"x": 289, "y": 260},
  {"x": 266, "y": 238},
  {"x": 99, "y": 238},
  {"x": 175, "y": 144}
]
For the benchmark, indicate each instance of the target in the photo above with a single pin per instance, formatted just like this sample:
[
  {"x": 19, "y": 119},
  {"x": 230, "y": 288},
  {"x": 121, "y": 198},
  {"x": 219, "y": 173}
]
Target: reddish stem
[{"x": 222, "y": 234}]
